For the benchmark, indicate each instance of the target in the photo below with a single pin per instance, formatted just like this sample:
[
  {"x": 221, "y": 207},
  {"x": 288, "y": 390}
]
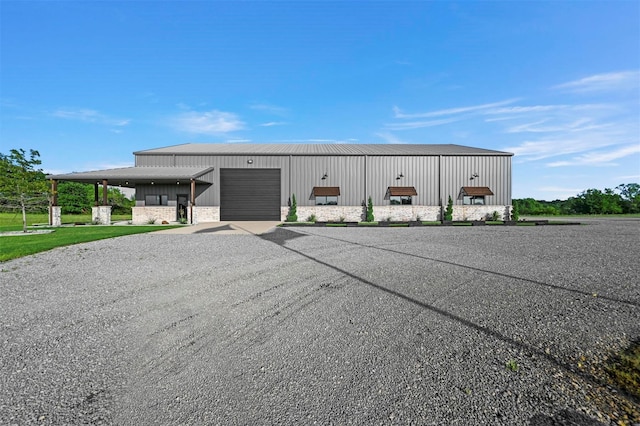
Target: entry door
[
  {"x": 249, "y": 194},
  {"x": 183, "y": 204}
]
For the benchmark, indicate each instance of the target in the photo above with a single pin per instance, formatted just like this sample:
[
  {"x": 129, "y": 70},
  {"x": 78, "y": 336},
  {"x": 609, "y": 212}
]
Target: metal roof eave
[{"x": 132, "y": 176}]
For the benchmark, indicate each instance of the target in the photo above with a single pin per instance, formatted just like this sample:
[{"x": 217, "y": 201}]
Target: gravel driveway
[{"x": 427, "y": 325}]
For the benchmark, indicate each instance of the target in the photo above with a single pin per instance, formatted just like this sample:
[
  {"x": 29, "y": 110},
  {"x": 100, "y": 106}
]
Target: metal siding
[
  {"x": 419, "y": 172},
  {"x": 250, "y": 194},
  {"x": 155, "y": 161},
  {"x": 212, "y": 196},
  {"x": 493, "y": 172},
  {"x": 171, "y": 191},
  {"x": 346, "y": 172}
]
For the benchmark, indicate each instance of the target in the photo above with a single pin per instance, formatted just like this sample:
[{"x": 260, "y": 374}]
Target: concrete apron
[{"x": 225, "y": 228}]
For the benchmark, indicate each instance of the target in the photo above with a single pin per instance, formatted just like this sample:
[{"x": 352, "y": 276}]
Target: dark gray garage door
[{"x": 249, "y": 194}]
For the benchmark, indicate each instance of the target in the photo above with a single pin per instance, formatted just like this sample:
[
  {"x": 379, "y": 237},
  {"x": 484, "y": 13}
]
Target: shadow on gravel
[
  {"x": 486, "y": 271},
  {"x": 281, "y": 236},
  {"x": 563, "y": 418},
  {"x": 218, "y": 229}
]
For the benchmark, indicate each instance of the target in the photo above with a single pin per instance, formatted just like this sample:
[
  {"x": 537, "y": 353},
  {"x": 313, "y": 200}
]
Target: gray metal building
[{"x": 210, "y": 182}]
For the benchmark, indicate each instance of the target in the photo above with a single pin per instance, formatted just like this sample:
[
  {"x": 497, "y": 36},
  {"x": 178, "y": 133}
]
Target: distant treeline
[{"x": 625, "y": 198}]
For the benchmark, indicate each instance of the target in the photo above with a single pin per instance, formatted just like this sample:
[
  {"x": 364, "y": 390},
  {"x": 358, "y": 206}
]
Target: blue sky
[{"x": 557, "y": 83}]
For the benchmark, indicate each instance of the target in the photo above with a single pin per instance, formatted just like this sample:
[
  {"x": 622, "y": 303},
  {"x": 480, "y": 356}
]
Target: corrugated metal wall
[
  {"x": 419, "y": 172},
  {"x": 357, "y": 176},
  {"x": 345, "y": 172},
  {"x": 494, "y": 172}
]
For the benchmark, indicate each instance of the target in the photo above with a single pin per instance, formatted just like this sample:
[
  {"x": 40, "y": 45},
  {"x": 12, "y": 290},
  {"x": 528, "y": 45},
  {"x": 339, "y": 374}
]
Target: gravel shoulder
[{"x": 431, "y": 325}]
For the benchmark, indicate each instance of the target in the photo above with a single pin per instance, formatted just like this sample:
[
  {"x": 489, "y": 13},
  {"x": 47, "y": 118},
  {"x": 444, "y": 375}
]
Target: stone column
[
  {"x": 101, "y": 215},
  {"x": 55, "y": 216}
]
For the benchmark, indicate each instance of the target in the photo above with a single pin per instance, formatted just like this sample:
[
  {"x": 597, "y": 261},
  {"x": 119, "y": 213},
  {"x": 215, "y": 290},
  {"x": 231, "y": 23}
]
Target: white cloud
[
  {"x": 89, "y": 116},
  {"x": 553, "y": 147},
  {"x": 390, "y": 138},
  {"x": 599, "y": 158},
  {"x": 607, "y": 82},
  {"x": 271, "y": 109},
  {"x": 451, "y": 111},
  {"x": 273, "y": 123},
  {"x": 526, "y": 109},
  {"x": 208, "y": 123},
  {"x": 578, "y": 125},
  {"x": 419, "y": 124}
]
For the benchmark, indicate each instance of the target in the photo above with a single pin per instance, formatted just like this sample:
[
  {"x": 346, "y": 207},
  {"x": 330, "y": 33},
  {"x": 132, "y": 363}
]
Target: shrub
[
  {"x": 370, "y": 217},
  {"x": 448, "y": 213},
  {"x": 312, "y": 218},
  {"x": 293, "y": 210},
  {"x": 515, "y": 214},
  {"x": 495, "y": 216}
]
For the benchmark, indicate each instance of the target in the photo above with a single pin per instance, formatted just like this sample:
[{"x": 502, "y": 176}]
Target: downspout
[
  {"x": 366, "y": 157},
  {"x": 290, "y": 172},
  {"x": 440, "y": 187}
]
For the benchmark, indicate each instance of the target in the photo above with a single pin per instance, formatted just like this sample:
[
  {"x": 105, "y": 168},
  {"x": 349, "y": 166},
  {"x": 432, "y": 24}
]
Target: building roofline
[{"x": 282, "y": 149}]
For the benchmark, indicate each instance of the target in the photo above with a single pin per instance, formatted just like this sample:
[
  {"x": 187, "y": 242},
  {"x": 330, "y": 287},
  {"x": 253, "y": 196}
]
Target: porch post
[
  {"x": 101, "y": 213},
  {"x": 54, "y": 209},
  {"x": 95, "y": 194},
  {"x": 105, "y": 199},
  {"x": 193, "y": 197}
]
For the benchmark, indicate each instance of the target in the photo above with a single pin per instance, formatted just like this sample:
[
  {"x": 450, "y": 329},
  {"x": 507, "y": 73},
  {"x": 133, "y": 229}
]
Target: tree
[
  {"x": 293, "y": 215},
  {"x": 630, "y": 193},
  {"x": 594, "y": 201},
  {"x": 370, "y": 217},
  {"x": 515, "y": 213},
  {"x": 22, "y": 185},
  {"x": 448, "y": 213},
  {"x": 74, "y": 197},
  {"x": 119, "y": 202}
]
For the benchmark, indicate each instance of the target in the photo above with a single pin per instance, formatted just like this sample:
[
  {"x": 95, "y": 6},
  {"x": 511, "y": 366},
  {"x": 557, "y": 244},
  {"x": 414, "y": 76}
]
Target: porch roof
[{"x": 132, "y": 176}]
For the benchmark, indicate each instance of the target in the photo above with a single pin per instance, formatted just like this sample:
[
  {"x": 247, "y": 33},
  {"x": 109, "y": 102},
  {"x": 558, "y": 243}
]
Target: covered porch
[{"x": 187, "y": 179}]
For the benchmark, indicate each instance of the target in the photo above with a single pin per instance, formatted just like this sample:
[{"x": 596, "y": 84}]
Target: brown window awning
[
  {"x": 401, "y": 191},
  {"x": 326, "y": 191},
  {"x": 475, "y": 191}
]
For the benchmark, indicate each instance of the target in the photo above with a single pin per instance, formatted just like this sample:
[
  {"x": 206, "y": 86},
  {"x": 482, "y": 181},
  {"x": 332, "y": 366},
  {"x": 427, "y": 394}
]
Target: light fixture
[
  {"x": 325, "y": 176},
  {"x": 178, "y": 183},
  {"x": 475, "y": 175},
  {"x": 249, "y": 161},
  {"x": 152, "y": 182},
  {"x": 399, "y": 176}
]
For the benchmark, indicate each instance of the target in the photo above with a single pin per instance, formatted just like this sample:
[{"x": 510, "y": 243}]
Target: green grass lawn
[
  {"x": 15, "y": 219},
  {"x": 12, "y": 247}
]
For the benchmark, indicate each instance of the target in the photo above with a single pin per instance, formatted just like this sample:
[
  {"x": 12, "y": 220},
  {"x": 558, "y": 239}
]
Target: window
[
  {"x": 326, "y": 195},
  {"x": 400, "y": 195},
  {"x": 397, "y": 200},
  {"x": 326, "y": 200},
  {"x": 156, "y": 200},
  {"x": 474, "y": 195},
  {"x": 473, "y": 200}
]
